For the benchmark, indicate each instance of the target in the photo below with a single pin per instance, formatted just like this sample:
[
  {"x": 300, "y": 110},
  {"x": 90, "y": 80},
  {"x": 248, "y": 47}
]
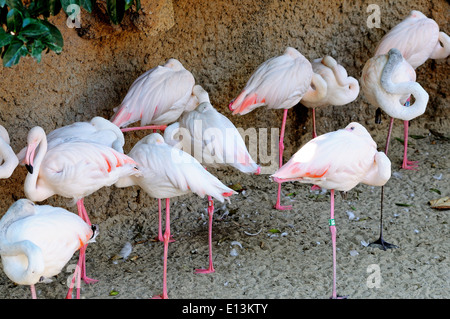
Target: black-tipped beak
[
  {"x": 29, "y": 168},
  {"x": 378, "y": 116}
]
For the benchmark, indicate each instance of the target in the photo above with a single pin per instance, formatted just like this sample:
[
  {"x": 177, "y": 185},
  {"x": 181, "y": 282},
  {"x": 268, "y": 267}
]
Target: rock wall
[{"x": 221, "y": 43}]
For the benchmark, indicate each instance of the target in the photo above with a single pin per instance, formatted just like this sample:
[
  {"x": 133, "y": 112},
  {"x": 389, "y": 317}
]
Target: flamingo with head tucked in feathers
[
  {"x": 214, "y": 141},
  {"x": 168, "y": 172},
  {"x": 341, "y": 89},
  {"x": 157, "y": 97},
  {"x": 37, "y": 241},
  {"x": 280, "y": 83},
  {"x": 337, "y": 160}
]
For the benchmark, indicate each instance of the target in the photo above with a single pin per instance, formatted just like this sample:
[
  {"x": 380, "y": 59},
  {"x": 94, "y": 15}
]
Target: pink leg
[
  {"x": 333, "y": 239},
  {"x": 210, "y": 216},
  {"x": 166, "y": 249},
  {"x": 314, "y": 134},
  {"x": 160, "y": 237},
  {"x": 77, "y": 276},
  {"x": 83, "y": 214},
  {"x": 151, "y": 127},
  {"x": 412, "y": 165},
  {"x": 281, "y": 149},
  {"x": 33, "y": 292},
  {"x": 391, "y": 123}
]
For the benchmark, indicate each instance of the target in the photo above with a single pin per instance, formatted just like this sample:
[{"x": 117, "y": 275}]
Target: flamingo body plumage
[
  {"x": 8, "y": 159},
  {"x": 37, "y": 241},
  {"x": 337, "y": 160},
  {"x": 158, "y": 96}
]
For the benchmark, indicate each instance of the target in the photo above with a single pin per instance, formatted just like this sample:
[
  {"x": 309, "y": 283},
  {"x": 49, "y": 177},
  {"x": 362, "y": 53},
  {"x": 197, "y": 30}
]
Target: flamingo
[
  {"x": 214, "y": 141},
  {"x": 8, "y": 158},
  {"x": 418, "y": 39},
  {"x": 341, "y": 88},
  {"x": 98, "y": 130},
  {"x": 158, "y": 96},
  {"x": 168, "y": 172},
  {"x": 73, "y": 169},
  {"x": 280, "y": 83},
  {"x": 387, "y": 81},
  {"x": 37, "y": 241},
  {"x": 337, "y": 160}
]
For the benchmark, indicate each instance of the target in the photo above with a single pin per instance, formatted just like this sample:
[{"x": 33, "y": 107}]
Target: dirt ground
[{"x": 260, "y": 252}]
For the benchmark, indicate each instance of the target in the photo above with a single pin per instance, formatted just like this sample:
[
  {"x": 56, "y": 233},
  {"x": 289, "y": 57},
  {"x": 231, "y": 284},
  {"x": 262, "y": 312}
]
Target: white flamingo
[
  {"x": 168, "y": 172},
  {"x": 8, "y": 158},
  {"x": 341, "y": 88},
  {"x": 37, "y": 241},
  {"x": 337, "y": 160},
  {"x": 280, "y": 83}
]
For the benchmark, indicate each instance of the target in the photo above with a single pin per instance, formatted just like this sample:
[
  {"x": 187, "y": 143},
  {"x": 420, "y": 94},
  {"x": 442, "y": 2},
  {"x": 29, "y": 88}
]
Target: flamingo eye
[{"x": 352, "y": 128}]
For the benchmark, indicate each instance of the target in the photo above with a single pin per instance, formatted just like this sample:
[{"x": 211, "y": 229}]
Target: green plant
[{"x": 25, "y": 29}]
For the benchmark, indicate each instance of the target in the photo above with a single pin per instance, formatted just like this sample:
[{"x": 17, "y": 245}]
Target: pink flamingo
[
  {"x": 337, "y": 160},
  {"x": 8, "y": 158},
  {"x": 157, "y": 97},
  {"x": 280, "y": 83},
  {"x": 168, "y": 172},
  {"x": 387, "y": 81},
  {"x": 73, "y": 169},
  {"x": 37, "y": 241},
  {"x": 418, "y": 39},
  {"x": 214, "y": 141},
  {"x": 341, "y": 88}
]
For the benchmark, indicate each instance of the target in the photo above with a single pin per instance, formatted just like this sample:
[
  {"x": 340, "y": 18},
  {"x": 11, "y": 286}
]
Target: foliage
[{"x": 25, "y": 29}]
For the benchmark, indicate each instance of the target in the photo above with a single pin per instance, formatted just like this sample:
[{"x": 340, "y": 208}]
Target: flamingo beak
[{"x": 29, "y": 156}]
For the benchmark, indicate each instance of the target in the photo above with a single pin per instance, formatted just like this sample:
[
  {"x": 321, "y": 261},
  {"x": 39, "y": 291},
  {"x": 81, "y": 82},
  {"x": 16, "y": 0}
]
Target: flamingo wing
[
  {"x": 156, "y": 97},
  {"x": 279, "y": 82}
]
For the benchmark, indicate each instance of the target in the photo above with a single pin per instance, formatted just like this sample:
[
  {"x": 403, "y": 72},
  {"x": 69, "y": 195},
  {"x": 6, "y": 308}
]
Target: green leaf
[
  {"x": 128, "y": 4},
  {"x": 14, "y": 52},
  {"x": 66, "y": 3},
  {"x": 88, "y": 5},
  {"x": 36, "y": 50},
  {"x": 113, "y": 293},
  {"x": 435, "y": 190},
  {"x": 15, "y": 4},
  {"x": 417, "y": 137},
  {"x": 14, "y": 20},
  {"x": 138, "y": 5},
  {"x": 5, "y": 38},
  {"x": 2, "y": 3},
  {"x": 274, "y": 231},
  {"x": 33, "y": 28},
  {"x": 116, "y": 10},
  {"x": 54, "y": 6},
  {"x": 54, "y": 40},
  {"x": 402, "y": 141}
]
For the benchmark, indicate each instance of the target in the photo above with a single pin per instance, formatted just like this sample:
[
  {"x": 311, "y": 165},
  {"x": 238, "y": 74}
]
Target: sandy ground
[{"x": 260, "y": 252}]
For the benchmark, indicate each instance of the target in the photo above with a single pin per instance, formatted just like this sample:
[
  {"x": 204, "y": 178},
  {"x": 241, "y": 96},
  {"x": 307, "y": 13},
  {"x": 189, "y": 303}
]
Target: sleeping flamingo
[
  {"x": 387, "y": 81},
  {"x": 8, "y": 158},
  {"x": 214, "y": 141},
  {"x": 37, "y": 241},
  {"x": 158, "y": 96},
  {"x": 418, "y": 39},
  {"x": 168, "y": 172},
  {"x": 280, "y": 83},
  {"x": 337, "y": 160},
  {"x": 73, "y": 169},
  {"x": 341, "y": 88}
]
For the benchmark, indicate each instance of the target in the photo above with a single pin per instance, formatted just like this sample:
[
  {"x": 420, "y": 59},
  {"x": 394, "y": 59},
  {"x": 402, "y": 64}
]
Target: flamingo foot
[
  {"x": 339, "y": 297},
  {"x": 382, "y": 244},
  {"x": 88, "y": 280},
  {"x": 160, "y": 297},
  {"x": 210, "y": 270},
  {"x": 410, "y": 165},
  {"x": 280, "y": 207},
  {"x": 161, "y": 239}
]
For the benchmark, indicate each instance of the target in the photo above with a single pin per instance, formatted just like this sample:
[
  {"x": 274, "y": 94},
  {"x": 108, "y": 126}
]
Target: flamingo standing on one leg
[
  {"x": 72, "y": 169},
  {"x": 418, "y": 39},
  {"x": 168, "y": 172},
  {"x": 36, "y": 241},
  {"x": 214, "y": 141},
  {"x": 387, "y": 81},
  {"x": 8, "y": 158},
  {"x": 338, "y": 160},
  {"x": 341, "y": 88},
  {"x": 280, "y": 83},
  {"x": 157, "y": 97}
]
